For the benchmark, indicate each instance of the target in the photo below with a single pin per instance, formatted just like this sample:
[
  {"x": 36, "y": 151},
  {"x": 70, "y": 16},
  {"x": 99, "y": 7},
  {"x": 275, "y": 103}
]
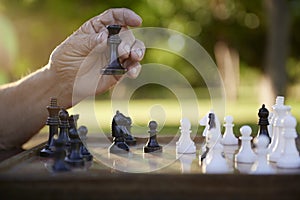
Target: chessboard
[
  {"x": 121, "y": 165},
  {"x": 139, "y": 175}
]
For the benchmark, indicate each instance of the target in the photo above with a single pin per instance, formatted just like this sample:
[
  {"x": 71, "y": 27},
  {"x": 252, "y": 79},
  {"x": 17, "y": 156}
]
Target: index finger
[{"x": 120, "y": 16}]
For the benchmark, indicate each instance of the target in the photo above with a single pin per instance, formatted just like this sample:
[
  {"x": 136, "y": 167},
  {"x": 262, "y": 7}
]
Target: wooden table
[{"x": 26, "y": 175}]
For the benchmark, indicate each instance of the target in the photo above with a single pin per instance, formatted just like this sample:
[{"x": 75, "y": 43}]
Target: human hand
[{"x": 78, "y": 60}]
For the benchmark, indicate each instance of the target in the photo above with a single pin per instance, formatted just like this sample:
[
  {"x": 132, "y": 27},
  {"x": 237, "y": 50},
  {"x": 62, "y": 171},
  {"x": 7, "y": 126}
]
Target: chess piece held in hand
[{"x": 114, "y": 66}]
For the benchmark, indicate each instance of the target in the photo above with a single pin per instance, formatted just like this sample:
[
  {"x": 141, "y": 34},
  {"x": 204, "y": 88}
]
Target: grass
[{"x": 97, "y": 115}]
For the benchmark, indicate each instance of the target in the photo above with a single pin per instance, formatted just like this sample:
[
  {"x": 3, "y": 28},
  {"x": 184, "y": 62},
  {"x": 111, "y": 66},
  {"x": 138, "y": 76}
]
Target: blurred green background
[{"x": 255, "y": 45}]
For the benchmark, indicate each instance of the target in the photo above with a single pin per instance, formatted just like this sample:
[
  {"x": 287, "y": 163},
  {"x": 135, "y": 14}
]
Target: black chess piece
[
  {"x": 73, "y": 121},
  {"x": 263, "y": 122},
  {"x": 74, "y": 157},
  {"x": 82, "y": 131},
  {"x": 52, "y": 122},
  {"x": 125, "y": 125},
  {"x": 59, "y": 156},
  {"x": 119, "y": 145},
  {"x": 152, "y": 144},
  {"x": 114, "y": 66},
  {"x": 64, "y": 127}
]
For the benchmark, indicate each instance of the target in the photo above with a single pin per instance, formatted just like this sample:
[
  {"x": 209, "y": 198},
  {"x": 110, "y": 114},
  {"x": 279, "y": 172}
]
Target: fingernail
[
  {"x": 139, "y": 52},
  {"x": 133, "y": 71}
]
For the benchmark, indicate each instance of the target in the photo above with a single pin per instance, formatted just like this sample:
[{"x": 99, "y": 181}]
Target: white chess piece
[
  {"x": 212, "y": 136},
  {"x": 229, "y": 137},
  {"x": 290, "y": 155},
  {"x": 279, "y": 102},
  {"x": 261, "y": 165},
  {"x": 185, "y": 144},
  {"x": 245, "y": 154},
  {"x": 215, "y": 162},
  {"x": 270, "y": 126},
  {"x": 204, "y": 122},
  {"x": 282, "y": 111}
]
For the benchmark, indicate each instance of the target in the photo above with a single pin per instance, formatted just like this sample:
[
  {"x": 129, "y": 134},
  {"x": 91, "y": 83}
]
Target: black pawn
[
  {"x": 74, "y": 158},
  {"x": 119, "y": 145},
  {"x": 152, "y": 144},
  {"x": 129, "y": 139},
  {"x": 59, "y": 156},
  {"x": 263, "y": 122},
  {"x": 52, "y": 122},
  {"x": 64, "y": 127},
  {"x": 72, "y": 120},
  {"x": 114, "y": 66},
  {"x": 82, "y": 131}
]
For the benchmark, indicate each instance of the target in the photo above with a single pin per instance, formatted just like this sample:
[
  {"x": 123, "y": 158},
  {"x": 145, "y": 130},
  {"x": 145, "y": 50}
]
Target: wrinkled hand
[{"x": 78, "y": 60}]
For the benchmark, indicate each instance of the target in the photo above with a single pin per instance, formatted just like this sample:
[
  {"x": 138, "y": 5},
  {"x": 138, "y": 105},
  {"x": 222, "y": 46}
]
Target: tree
[{"x": 275, "y": 73}]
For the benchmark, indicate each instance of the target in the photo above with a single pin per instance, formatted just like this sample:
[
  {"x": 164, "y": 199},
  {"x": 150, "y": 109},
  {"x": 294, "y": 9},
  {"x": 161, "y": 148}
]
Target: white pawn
[
  {"x": 290, "y": 155},
  {"x": 245, "y": 154},
  {"x": 185, "y": 144},
  {"x": 215, "y": 163},
  {"x": 229, "y": 137},
  {"x": 261, "y": 165}
]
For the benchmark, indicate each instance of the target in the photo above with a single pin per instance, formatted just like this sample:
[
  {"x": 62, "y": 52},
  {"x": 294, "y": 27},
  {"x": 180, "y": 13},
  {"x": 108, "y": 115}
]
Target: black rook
[{"x": 114, "y": 66}]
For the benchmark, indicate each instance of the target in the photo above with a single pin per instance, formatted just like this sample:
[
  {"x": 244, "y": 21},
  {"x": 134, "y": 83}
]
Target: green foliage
[{"x": 41, "y": 25}]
